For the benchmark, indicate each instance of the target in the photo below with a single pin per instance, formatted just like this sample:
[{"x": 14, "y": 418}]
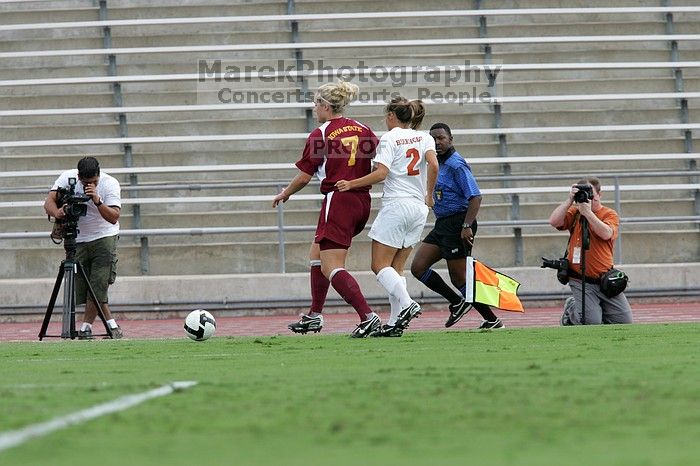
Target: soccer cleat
[
  {"x": 366, "y": 327},
  {"x": 387, "y": 330},
  {"x": 457, "y": 311},
  {"x": 307, "y": 324},
  {"x": 407, "y": 315},
  {"x": 85, "y": 334},
  {"x": 486, "y": 325},
  {"x": 117, "y": 333}
]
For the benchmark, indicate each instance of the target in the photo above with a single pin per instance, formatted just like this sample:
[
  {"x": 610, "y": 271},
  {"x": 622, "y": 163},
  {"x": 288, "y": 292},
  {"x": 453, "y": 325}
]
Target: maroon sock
[
  {"x": 319, "y": 289},
  {"x": 347, "y": 287}
]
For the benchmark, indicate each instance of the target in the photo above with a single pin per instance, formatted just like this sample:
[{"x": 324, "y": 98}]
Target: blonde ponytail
[{"x": 338, "y": 95}]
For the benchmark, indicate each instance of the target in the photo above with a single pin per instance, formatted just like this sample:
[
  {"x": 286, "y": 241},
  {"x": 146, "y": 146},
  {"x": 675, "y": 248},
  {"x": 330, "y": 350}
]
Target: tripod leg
[
  {"x": 93, "y": 296},
  {"x": 52, "y": 302},
  {"x": 68, "y": 330}
]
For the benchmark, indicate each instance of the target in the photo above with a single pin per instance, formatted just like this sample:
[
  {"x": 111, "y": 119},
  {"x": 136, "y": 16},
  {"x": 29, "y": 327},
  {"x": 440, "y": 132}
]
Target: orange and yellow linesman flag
[{"x": 485, "y": 285}]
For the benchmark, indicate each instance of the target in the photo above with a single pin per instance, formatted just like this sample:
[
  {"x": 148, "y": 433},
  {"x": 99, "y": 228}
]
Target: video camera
[
  {"x": 584, "y": 193},
  {"x": 74, "y": 206},
  {"x": 560, "y": 265}
]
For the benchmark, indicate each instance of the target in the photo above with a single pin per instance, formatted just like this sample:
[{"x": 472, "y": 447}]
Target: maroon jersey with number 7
[{"x": 339, "y": 149}]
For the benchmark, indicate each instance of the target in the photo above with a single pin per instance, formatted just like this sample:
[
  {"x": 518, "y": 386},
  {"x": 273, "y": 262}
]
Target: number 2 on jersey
[
  {"x": 415, "y": 155},
  {"x": 351, "y": 143}
]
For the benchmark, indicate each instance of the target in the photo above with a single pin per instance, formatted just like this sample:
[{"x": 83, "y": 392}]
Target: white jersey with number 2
[{"x": 402, "y": 150}]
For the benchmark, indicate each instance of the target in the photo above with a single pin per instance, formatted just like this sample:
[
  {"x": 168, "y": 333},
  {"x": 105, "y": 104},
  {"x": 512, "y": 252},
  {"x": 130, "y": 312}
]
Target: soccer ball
[{"x": 199, "y": 325}]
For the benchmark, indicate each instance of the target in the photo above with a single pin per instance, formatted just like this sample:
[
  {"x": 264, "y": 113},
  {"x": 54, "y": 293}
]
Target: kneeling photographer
[
  {"x": 593, "y": 228},
  {"x": 97, "y": 233}
]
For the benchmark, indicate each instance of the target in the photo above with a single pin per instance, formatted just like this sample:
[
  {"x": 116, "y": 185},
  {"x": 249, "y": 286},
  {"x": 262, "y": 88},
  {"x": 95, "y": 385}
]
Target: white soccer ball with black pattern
[{"x": 200, "y": 325}]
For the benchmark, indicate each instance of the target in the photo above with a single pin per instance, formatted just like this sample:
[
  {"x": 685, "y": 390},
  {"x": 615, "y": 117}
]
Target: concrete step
[
  {"x": 568, "y": 25},
  {"x": 431, "y": 28},
  {"x": 158, "y": 291},
  {"x": 217, "y": 35},
  {"x": 98, "y": 129},
  {"x": 101, "y": 98},
  {"x": 46, "y": 63},
  {"x": 87, "y": 39},
  {"x": 599, "y": 76},
  {"x": 124, "y": 9},
  {"x": 623, "y": 144},
  {"x": 691, "y": 83},
  {"x": 632, "y": 106},
  {"x": 316, "y": 6},
  {"x": 578, "y": 117},
  {"x": 576, "y": 53},
  {"x": 71, "y": 10},
  {"x": 629, "y": 84},
  {"x": 588, "y": 51},
  {"x": 612, "y": 136}
]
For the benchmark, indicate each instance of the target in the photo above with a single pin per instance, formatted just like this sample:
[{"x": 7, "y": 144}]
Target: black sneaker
[
  {"x": 85, "y": 334},
  {"x": 486, "y": 325},
  {"x": 457, "y": 311},
  {"x": 366, "y": 327},
  {"x": 387, "y": 330},
  {"x": 307, "y": 324},
  {"x": 407, "y": 315}
]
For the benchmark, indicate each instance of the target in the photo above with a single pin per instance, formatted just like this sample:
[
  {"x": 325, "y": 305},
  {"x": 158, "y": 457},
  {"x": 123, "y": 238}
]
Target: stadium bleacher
[{"x": 579, "y": 91}]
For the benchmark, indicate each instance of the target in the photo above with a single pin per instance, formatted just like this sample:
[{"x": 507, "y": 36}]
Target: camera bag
[{"x": 613, "y": 282}]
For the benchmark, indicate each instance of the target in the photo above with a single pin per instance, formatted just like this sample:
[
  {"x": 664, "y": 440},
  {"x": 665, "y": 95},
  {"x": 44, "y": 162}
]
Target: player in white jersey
[{"x": 407, "y": 163}]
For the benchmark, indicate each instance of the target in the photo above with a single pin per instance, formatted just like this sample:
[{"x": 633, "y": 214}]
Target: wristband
[
  {"x": 97, "y": 205},
  {"x": 465, "y": 226}
]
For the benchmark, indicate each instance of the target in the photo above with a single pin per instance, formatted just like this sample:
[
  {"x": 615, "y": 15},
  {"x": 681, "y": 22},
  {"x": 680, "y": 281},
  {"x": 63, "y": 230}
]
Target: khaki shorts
[{"x": 99, "y": 260}]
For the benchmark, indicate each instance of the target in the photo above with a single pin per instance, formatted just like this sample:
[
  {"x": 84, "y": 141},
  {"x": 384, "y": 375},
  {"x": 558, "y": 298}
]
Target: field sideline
[
  {"x": 606, "y": 395},
  {"x": 432, "y": 319}
]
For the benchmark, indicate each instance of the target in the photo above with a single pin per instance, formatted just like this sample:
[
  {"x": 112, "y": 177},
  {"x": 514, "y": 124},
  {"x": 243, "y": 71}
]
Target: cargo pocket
[{"x": 113, "y": 270}]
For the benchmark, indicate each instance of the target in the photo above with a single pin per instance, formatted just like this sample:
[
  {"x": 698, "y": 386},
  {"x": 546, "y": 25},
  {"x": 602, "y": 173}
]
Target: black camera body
[
  {"x": 74, "y": 206},
  {"x": 584, "y": 193},
  {"x": 560, "y": 265}
]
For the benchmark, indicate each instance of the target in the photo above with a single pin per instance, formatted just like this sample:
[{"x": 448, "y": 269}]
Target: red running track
[{"x": 345, "y": 323}]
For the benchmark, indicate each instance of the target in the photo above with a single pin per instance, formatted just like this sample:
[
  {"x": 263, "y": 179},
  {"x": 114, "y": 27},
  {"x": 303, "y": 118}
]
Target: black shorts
[{"x": 447, "y": 235}]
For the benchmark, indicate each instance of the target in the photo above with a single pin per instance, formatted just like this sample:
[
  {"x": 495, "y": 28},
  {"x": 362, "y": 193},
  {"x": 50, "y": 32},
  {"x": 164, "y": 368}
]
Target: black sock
[
  {"x": 432, "y": 280},
  {"x": 485, "y": 312}
]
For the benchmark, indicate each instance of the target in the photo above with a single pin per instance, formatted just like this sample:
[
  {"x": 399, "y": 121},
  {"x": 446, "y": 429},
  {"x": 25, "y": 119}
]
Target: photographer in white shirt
[{"x": 98, "y": 234}]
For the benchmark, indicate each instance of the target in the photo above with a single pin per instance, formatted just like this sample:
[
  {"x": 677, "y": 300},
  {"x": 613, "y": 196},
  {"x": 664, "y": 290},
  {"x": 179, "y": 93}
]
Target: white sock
[
  {"x": 395, "y": 306},
  {"x": 394, "y": 285},
  {"x": 85, "y": 327},
  {"x": 112, "y": 323},
  {"x": 395, "y": 310}
]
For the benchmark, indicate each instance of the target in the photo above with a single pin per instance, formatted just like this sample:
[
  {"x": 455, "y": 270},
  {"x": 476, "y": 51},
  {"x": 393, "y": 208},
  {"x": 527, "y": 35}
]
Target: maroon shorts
[{"x": 343, "y": 215}]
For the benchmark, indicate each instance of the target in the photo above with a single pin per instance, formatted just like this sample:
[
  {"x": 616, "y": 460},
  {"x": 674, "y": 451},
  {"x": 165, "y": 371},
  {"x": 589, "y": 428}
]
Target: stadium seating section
[{"x": 621, "y": 108}]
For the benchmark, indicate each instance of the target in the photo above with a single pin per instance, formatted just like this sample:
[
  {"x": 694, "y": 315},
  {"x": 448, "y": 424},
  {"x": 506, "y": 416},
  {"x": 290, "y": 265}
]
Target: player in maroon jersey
[{"x": 340, "y": 149}]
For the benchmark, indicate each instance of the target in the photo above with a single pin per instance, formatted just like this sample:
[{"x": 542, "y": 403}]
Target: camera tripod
[{"x": 66, "y": 274}]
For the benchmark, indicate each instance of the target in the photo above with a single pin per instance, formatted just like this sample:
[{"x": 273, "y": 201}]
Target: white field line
[{"x": 13, "y": 438}]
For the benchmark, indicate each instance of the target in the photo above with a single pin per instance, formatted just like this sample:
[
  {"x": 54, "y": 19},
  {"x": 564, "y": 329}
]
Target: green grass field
[{"x": 627, "y": 395}]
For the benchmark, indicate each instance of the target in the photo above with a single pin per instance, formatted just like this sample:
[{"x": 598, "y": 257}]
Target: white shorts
[{"x": 400, "y": 222}]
